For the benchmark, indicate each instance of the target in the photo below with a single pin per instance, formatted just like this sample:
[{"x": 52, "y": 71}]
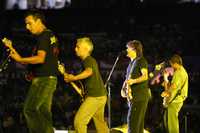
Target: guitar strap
[
  {"x": 178, "y": 92},
  {"x": 130, "y": 69}
]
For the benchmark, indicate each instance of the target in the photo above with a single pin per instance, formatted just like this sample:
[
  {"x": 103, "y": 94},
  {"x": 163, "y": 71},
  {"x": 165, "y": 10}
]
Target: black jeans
[{"x": 136, "y": 115}]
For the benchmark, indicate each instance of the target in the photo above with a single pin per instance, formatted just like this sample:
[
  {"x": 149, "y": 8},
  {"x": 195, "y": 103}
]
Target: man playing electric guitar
[
  {"x": 96, "y": 94},
  {"x": 37, "y": 106},
  {"x": 136, "y": 87},
  {"x": 174, "y": 95}
]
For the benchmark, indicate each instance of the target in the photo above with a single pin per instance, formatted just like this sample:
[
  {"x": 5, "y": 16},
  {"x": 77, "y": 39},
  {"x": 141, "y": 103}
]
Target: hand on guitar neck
[
  {"x": 67, "y": 77},
  {"x": 13, "y": 53}
]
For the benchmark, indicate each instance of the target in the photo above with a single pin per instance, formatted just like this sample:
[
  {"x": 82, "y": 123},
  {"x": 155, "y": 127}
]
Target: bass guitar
[{"x": 126, "y": 91}]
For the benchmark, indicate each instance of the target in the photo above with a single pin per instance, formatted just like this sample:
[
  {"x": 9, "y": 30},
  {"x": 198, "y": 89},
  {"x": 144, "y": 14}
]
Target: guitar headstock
[
  {"x": 7, "y": 42},
  {"x": 61, "y": 67}
]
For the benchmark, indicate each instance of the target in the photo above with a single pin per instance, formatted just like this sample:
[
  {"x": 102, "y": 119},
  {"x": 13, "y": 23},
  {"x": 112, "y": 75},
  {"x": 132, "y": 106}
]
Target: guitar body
[
  {"x": 166, "y": 98},
  {"x": 165, "y": 102},
  {"x": 126, "y": 92}
]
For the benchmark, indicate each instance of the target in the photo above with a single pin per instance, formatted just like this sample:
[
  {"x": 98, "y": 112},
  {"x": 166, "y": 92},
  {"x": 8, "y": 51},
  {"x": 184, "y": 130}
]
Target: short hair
[
  {"x": 137, "y": 46},
  {"x": 88, "y": 41},
  {"x": 36, "y": 15},
  {"x": 176, "y": 59}
]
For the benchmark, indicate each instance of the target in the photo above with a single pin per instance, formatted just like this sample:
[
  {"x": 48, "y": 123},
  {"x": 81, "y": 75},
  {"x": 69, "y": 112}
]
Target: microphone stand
[{"x": 107, "y": 85}]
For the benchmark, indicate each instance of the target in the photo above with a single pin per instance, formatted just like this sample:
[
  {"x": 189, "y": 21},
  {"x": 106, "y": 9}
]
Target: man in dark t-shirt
[
  {"x": 37, "y": 106},
  {"x": 96, "y": 94},
  {"x": 95, "y": 79},
  {"x": 135, "y": 87}
]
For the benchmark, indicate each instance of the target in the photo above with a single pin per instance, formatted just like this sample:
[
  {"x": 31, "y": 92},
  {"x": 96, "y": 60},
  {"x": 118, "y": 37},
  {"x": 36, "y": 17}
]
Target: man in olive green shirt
[
  {"x": 96, "y": 94},
  {"x": 175, "y": 92}
]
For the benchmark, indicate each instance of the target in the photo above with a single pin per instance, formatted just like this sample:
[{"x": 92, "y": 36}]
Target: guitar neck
[{"x": 78, "y": 90}]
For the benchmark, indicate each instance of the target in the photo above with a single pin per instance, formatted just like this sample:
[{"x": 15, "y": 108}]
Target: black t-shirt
[
  {"x": 94, "y": 84},
  {"x": 140, "y": 91},
  {"x": 46, "y": 41}
]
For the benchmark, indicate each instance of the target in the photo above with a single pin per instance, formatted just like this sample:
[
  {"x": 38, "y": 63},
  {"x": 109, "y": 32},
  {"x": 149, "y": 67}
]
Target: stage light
[
  {"x": 61, "y": 131},
  {"x": 64, "y": 131}
]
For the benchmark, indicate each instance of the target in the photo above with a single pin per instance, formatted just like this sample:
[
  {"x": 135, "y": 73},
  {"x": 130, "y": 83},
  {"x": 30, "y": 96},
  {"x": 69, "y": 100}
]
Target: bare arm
[
  {"x": 140, "y": 79},
  {"x": 85, "y": 74},
  {"x": 37, "y": 59}
]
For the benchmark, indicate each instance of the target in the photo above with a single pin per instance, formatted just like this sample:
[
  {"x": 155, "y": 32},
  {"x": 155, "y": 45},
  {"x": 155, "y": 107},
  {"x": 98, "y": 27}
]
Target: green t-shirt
[
  {"x": 180, "y": 79},
  {"x": 140, "y": 91},
  {"x": 47, "y": 41},
  {"x": 94, "y": 84}
]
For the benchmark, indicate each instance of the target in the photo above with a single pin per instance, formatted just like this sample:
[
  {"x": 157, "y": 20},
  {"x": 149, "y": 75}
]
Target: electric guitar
[
  {"x": 8, "y": 43},
  {"x": 166, "y": 98},
  {"x": 126, "y": 91},
  {"x": 80, "y": 91}
]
